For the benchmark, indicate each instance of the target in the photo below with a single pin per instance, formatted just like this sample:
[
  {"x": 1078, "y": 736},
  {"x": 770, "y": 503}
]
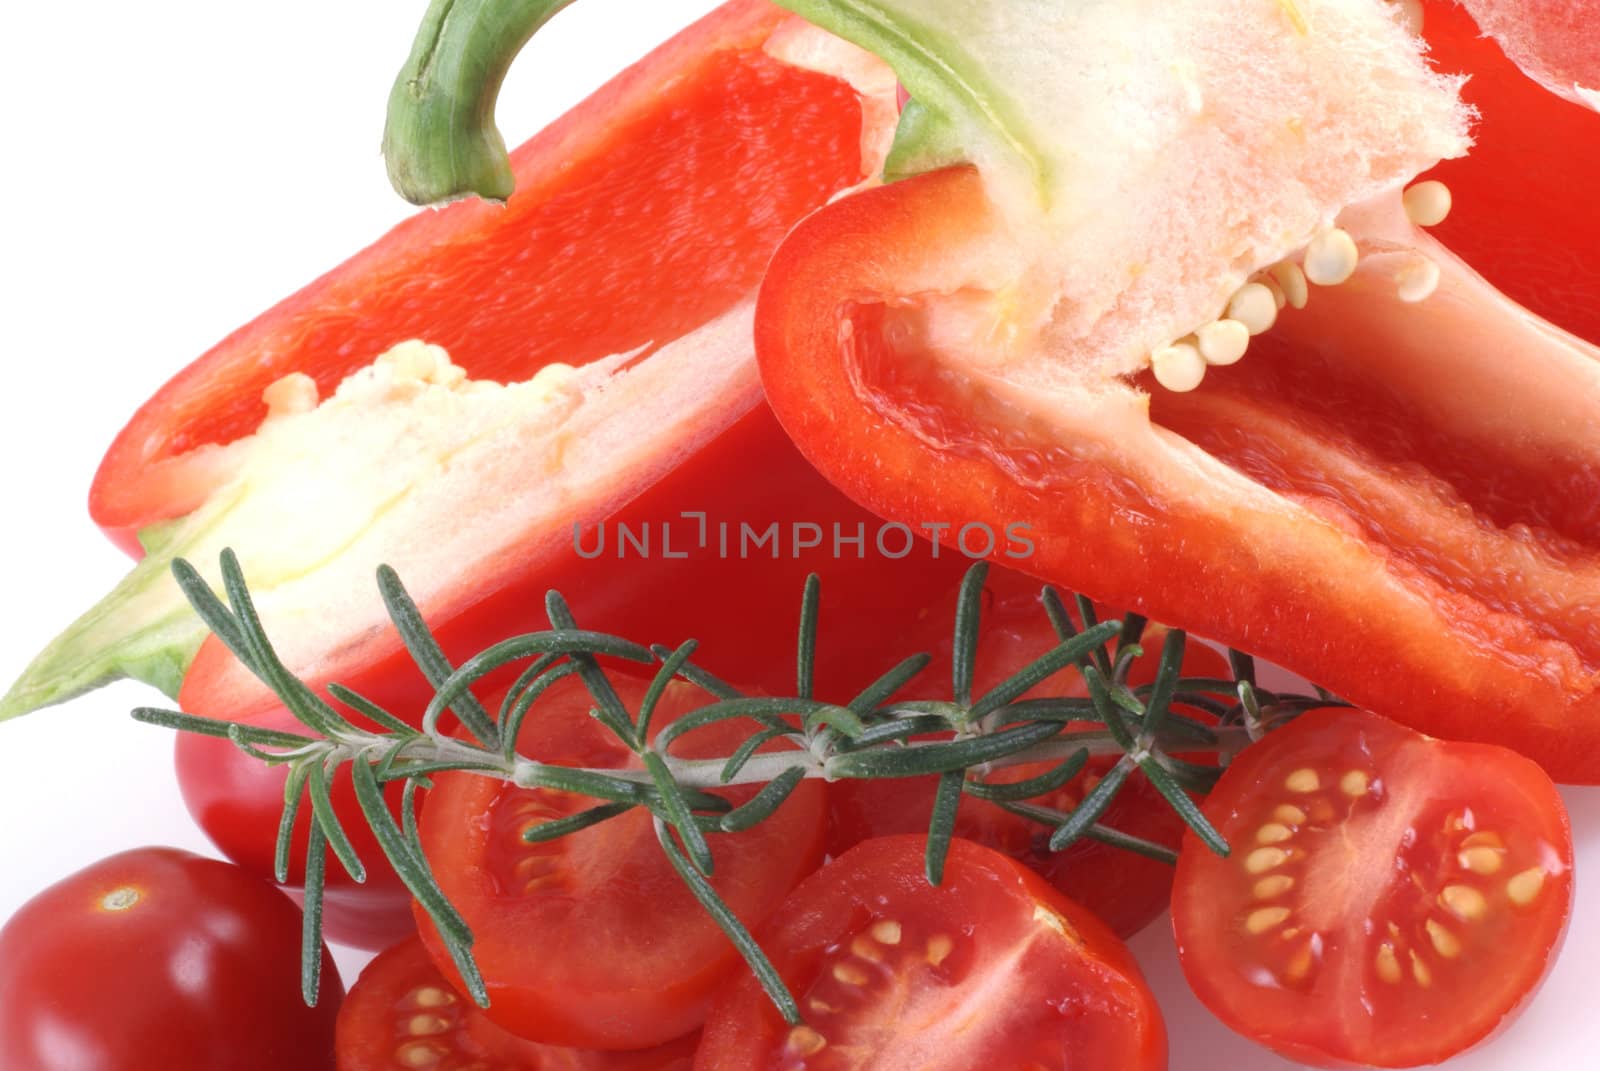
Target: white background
[{"x": 172, "y": 169}]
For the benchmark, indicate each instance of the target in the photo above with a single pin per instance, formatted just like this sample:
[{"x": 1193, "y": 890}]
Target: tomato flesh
[
  {"x": 403, "y": 1015},
  {"x": 155, "y": 960},
  {"x": 1391, "y": 899},
  {"x": 592, "y": 939},
  {"x": 993, "y": 968}
]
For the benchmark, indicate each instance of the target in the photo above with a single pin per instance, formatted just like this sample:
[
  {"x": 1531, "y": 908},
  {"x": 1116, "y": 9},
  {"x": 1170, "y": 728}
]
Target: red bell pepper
[
  {"x": 1556, "y": 42},
  {"x": 643, "y": 220},
  {"x": 1399, "y": 501}
]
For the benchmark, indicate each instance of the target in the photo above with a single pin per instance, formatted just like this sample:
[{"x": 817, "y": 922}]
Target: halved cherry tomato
[
  {"x": 1125, "y": 890},
  {"x": 403, "y": 1015},
  {"x": 993, "y": 968},
  {"x": 159, "y": 960},
  {"x": 1391, "y": 899},
  {"x": 593, "y": 940}
]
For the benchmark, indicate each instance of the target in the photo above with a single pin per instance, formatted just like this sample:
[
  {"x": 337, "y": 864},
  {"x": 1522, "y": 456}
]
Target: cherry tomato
[
  {"x": 1391, "y": 899},
  {"x": 403, "y": 1015},
  {"x": 1126, "y": 890},
  {"x": 238, "y": 801},
  {"x": 994, "y": 968},
  {"x": 592, "y": 940},
  {"x": 159, "y": 960}
]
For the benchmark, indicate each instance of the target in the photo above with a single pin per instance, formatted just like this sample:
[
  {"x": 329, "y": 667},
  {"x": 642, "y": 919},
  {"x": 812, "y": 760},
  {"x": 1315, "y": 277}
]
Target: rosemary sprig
[{"x": 959, "y": 740}]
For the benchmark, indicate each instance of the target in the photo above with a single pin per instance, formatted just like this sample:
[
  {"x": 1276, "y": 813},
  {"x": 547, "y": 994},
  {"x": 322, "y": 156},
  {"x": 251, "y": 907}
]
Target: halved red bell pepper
[
  {"x": 1556, "y": 42},
  {"x": 1399, "y": 501},
  {"x": 641, "y": 225}
]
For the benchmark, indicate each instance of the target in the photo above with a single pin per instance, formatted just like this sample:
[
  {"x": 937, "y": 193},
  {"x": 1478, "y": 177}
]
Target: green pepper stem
[{"x": 440, "y": 142}]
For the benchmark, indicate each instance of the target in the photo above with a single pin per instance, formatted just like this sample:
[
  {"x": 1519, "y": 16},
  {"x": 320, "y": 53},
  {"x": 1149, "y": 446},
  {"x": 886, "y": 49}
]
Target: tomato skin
[
  {"x": 238, "y": 802},
  {"x": 1125, "y": 890},
  {"x": 1077, "y": 996},
  {"x": 402, "y": 1000},
  {"x": 627, "y": 957},
  {"x": 1417, "y": 957},
  {"x": 201, "y": 971}
]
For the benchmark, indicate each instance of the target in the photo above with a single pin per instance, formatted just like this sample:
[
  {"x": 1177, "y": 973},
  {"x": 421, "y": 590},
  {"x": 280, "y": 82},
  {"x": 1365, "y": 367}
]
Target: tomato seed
[
  {"x": 1267, "y": 918},
  {"x": 1273, "y": 887},
  {"x": 1480, "y": 860},
  {"x": 1388, "y": 965},
  {"x": 1264, "y": 859},
  {"x": 1464, "y": 902},
  {"x": 1523, "y": 888},
  {"x": 1303, "y": 780},
  {"x": 1444, "y": 942}
]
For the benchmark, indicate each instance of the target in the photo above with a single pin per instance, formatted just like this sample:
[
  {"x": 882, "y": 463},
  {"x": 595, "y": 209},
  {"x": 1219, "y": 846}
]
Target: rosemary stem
[
  {"x": 759, "y": 769},
  {"x": 1056, "y": 750},
  {"x": 767, "y": 767},
  {"x": 688, "y": 773}
]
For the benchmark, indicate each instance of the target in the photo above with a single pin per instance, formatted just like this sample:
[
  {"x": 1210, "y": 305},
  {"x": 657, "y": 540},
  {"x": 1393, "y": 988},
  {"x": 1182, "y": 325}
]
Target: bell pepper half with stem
[
  {"x": 1179, "y": 308},
  {"x": 486, "y": 397}
]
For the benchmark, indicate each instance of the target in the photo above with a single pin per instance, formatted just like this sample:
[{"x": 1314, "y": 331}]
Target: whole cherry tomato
[{"x": 159, "y": 960}]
